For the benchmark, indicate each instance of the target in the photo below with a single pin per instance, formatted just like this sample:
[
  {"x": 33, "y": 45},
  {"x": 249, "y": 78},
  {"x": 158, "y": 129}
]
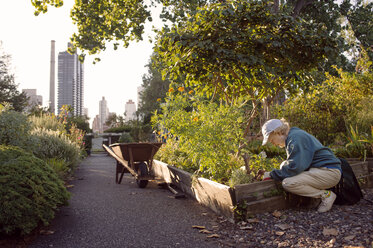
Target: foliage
[
  {"x": 359, "y": 145},
  {"x": 271, "y": 151},
  {"x": 242, "y": 49},
  {"x": 125, "y": 138},
  {"x": 140, "y": 131},
  {"x": 14, "y": 129},
  {"x": 121, "y": 129},
  {"x": 171, "y": 154},
  {"x": 360, "y": 18},
  {"x": 30, "y": 192},
  {"x": 37, "y": 110},
  {"x": 48, "y": 144},
  {"x": 258, "y": 163},
  {"x": 59, "y": 166},
  {"x": 88, "y": 141},
  {"x": 204, "y": 131},
  {"x": 326, "y": 109},
  {"x": 63, "y": 125},
  {"x": 240, "y": 176},
  {"x": 75, "y": 134},
  {"x": 153, "y": 93},
  {"x": 8, "y": 87},
  {"x": 47, "y": 121},
  {"x": 114, "y": 120},
  {"x": 120, "y": 22},
  {"x": 368, "y": 139},
  {"x": 80, "y": 122}
]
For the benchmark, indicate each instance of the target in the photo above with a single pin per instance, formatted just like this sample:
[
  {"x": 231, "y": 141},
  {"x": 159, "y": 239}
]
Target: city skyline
[{"x": 27, "y": 39}]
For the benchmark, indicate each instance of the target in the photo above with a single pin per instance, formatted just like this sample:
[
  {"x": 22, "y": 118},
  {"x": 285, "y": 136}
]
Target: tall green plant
[
  {"x": 368, "y": 139},
  {"x": 208, "y": 133}
]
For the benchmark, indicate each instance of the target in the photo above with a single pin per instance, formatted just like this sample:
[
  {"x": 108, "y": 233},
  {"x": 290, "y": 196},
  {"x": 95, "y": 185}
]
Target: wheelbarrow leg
[
  {"x": 120, "y": 169},
  {"x": 121, "y": 175}
]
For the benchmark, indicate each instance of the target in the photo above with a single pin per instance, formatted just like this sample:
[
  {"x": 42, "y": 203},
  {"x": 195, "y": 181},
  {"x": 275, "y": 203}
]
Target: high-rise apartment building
[
  {"x": 33, "y": 98},
  {"x": 70, "y": 82},
  {"x": 103, "y": 113},
  {"x": 96, "y": 124},
  {"x": 130, "y": 110}
]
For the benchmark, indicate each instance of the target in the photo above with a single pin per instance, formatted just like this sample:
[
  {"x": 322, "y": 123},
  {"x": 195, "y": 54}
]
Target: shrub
[
  {"x": 326, "y": 109},
  {"x": 60, "y": 126},
  {"x": 121, "y": 129},
  {"x": 48, "y": 144},
  {"x": 59, "y": 166},
  {"x": 47, "y": 121},
  {"x": 125, "y": 138},
  {"x": 171, "y": 154},
  {"x": 208, "y": 133},
  {"x": 14, "y": 129},
  {"x": 30, "y": 191},
  {"x": 240, "y": 176}
]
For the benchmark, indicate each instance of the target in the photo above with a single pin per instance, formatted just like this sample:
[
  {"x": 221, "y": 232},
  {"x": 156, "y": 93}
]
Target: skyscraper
[
  {"x": 103, "y": 113},
  {"x": 33, "y": 99},
  {"x": 70, "y": 82},
  {"x": 130, "y": 110}
]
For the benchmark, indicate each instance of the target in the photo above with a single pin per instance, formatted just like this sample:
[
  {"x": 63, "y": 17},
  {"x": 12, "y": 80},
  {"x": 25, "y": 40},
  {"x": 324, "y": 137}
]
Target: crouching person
[{"x": 309, "y": 169}]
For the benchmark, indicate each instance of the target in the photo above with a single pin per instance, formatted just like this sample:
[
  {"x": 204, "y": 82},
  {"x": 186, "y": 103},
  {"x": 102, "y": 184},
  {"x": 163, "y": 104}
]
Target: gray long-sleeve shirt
[{"x": 303, "y": 152}]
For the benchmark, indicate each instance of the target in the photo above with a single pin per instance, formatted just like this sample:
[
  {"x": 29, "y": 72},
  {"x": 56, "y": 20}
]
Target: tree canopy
[
  {"x": 154, "y": 91},
  {"x": 120, "y": 21},
  {"x": 8, "y": 87}
]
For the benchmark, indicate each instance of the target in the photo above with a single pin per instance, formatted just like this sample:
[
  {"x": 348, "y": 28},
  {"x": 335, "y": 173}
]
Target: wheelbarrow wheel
[{"x": 142, "y": 171}]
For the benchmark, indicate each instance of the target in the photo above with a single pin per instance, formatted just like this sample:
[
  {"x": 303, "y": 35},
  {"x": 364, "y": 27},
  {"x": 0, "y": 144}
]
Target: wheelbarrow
[{"x": 135, "y": 158}]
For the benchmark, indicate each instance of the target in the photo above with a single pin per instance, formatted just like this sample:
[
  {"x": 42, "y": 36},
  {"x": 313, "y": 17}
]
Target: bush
[
  {"x": 208, "y": 133},
  {"x": 48, "y": 144},
  {"x": 121, "y": 129},
  {"x": 47, "y": 121},
  {"x": 30, "y": 191},
  {"x": 14, "y": 129},
  {"x": 59, "y": 166},
  {"x": 240, "y": 176},
  {"x": 125, "y": 138}
]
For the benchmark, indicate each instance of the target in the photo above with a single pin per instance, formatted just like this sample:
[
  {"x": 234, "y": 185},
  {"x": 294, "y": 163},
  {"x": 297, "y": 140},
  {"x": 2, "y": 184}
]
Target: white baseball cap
[{"x": 269, "y": 127}]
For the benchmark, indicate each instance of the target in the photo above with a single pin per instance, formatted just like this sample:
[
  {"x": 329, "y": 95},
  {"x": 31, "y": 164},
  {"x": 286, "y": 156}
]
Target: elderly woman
[{"x": 309, "y": 169}]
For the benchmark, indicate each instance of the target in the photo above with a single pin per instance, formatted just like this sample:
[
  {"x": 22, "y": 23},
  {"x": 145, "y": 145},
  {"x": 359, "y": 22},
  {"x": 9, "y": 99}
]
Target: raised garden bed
[{"x": 252, "y": 198}]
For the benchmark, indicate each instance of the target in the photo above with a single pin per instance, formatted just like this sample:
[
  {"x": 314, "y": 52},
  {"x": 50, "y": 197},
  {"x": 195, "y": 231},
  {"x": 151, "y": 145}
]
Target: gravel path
[
  {"x": 105, "y": 214},
  {"x": 343, "y": 226}
]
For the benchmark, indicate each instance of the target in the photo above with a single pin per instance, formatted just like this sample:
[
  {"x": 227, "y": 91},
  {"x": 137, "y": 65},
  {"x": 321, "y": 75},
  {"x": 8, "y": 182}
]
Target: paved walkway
[{"x": 105, "y": 214}]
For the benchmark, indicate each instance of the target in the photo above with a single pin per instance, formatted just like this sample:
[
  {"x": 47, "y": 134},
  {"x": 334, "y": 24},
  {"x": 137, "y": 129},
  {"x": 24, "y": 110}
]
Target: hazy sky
[{"x": 27, "y": 38}]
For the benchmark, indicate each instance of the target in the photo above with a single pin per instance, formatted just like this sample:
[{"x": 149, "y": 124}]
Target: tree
[
  {"x": 360, "y": 19},
  {"x": 121, "y": 22},
  {"x": 8, "y": 87},
  {"x": 154, "y": 92},
  {"x": 241, "y": 48}
]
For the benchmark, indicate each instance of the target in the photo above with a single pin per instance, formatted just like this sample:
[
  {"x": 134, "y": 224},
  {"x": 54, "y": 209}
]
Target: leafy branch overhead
[
  {"x": 122, "y": 21},
  {"x": 238, "y": 45}
]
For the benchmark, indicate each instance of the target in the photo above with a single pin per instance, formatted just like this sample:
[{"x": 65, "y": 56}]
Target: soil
[{"x": 343, "y": 226}]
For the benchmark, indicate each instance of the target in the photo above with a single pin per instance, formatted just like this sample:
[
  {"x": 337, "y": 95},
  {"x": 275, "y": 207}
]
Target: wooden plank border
[
  {"x": 258, "y": 197},
  {"x": 216, "y": 196}
]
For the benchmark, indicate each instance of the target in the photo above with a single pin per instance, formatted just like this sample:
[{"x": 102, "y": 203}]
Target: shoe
[{"x": 327, "y": 200}]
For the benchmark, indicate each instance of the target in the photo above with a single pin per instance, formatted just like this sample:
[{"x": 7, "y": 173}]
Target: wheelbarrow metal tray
[
  {"x": 128, "y": 154},
  {"x": 139, "y": 151}
]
